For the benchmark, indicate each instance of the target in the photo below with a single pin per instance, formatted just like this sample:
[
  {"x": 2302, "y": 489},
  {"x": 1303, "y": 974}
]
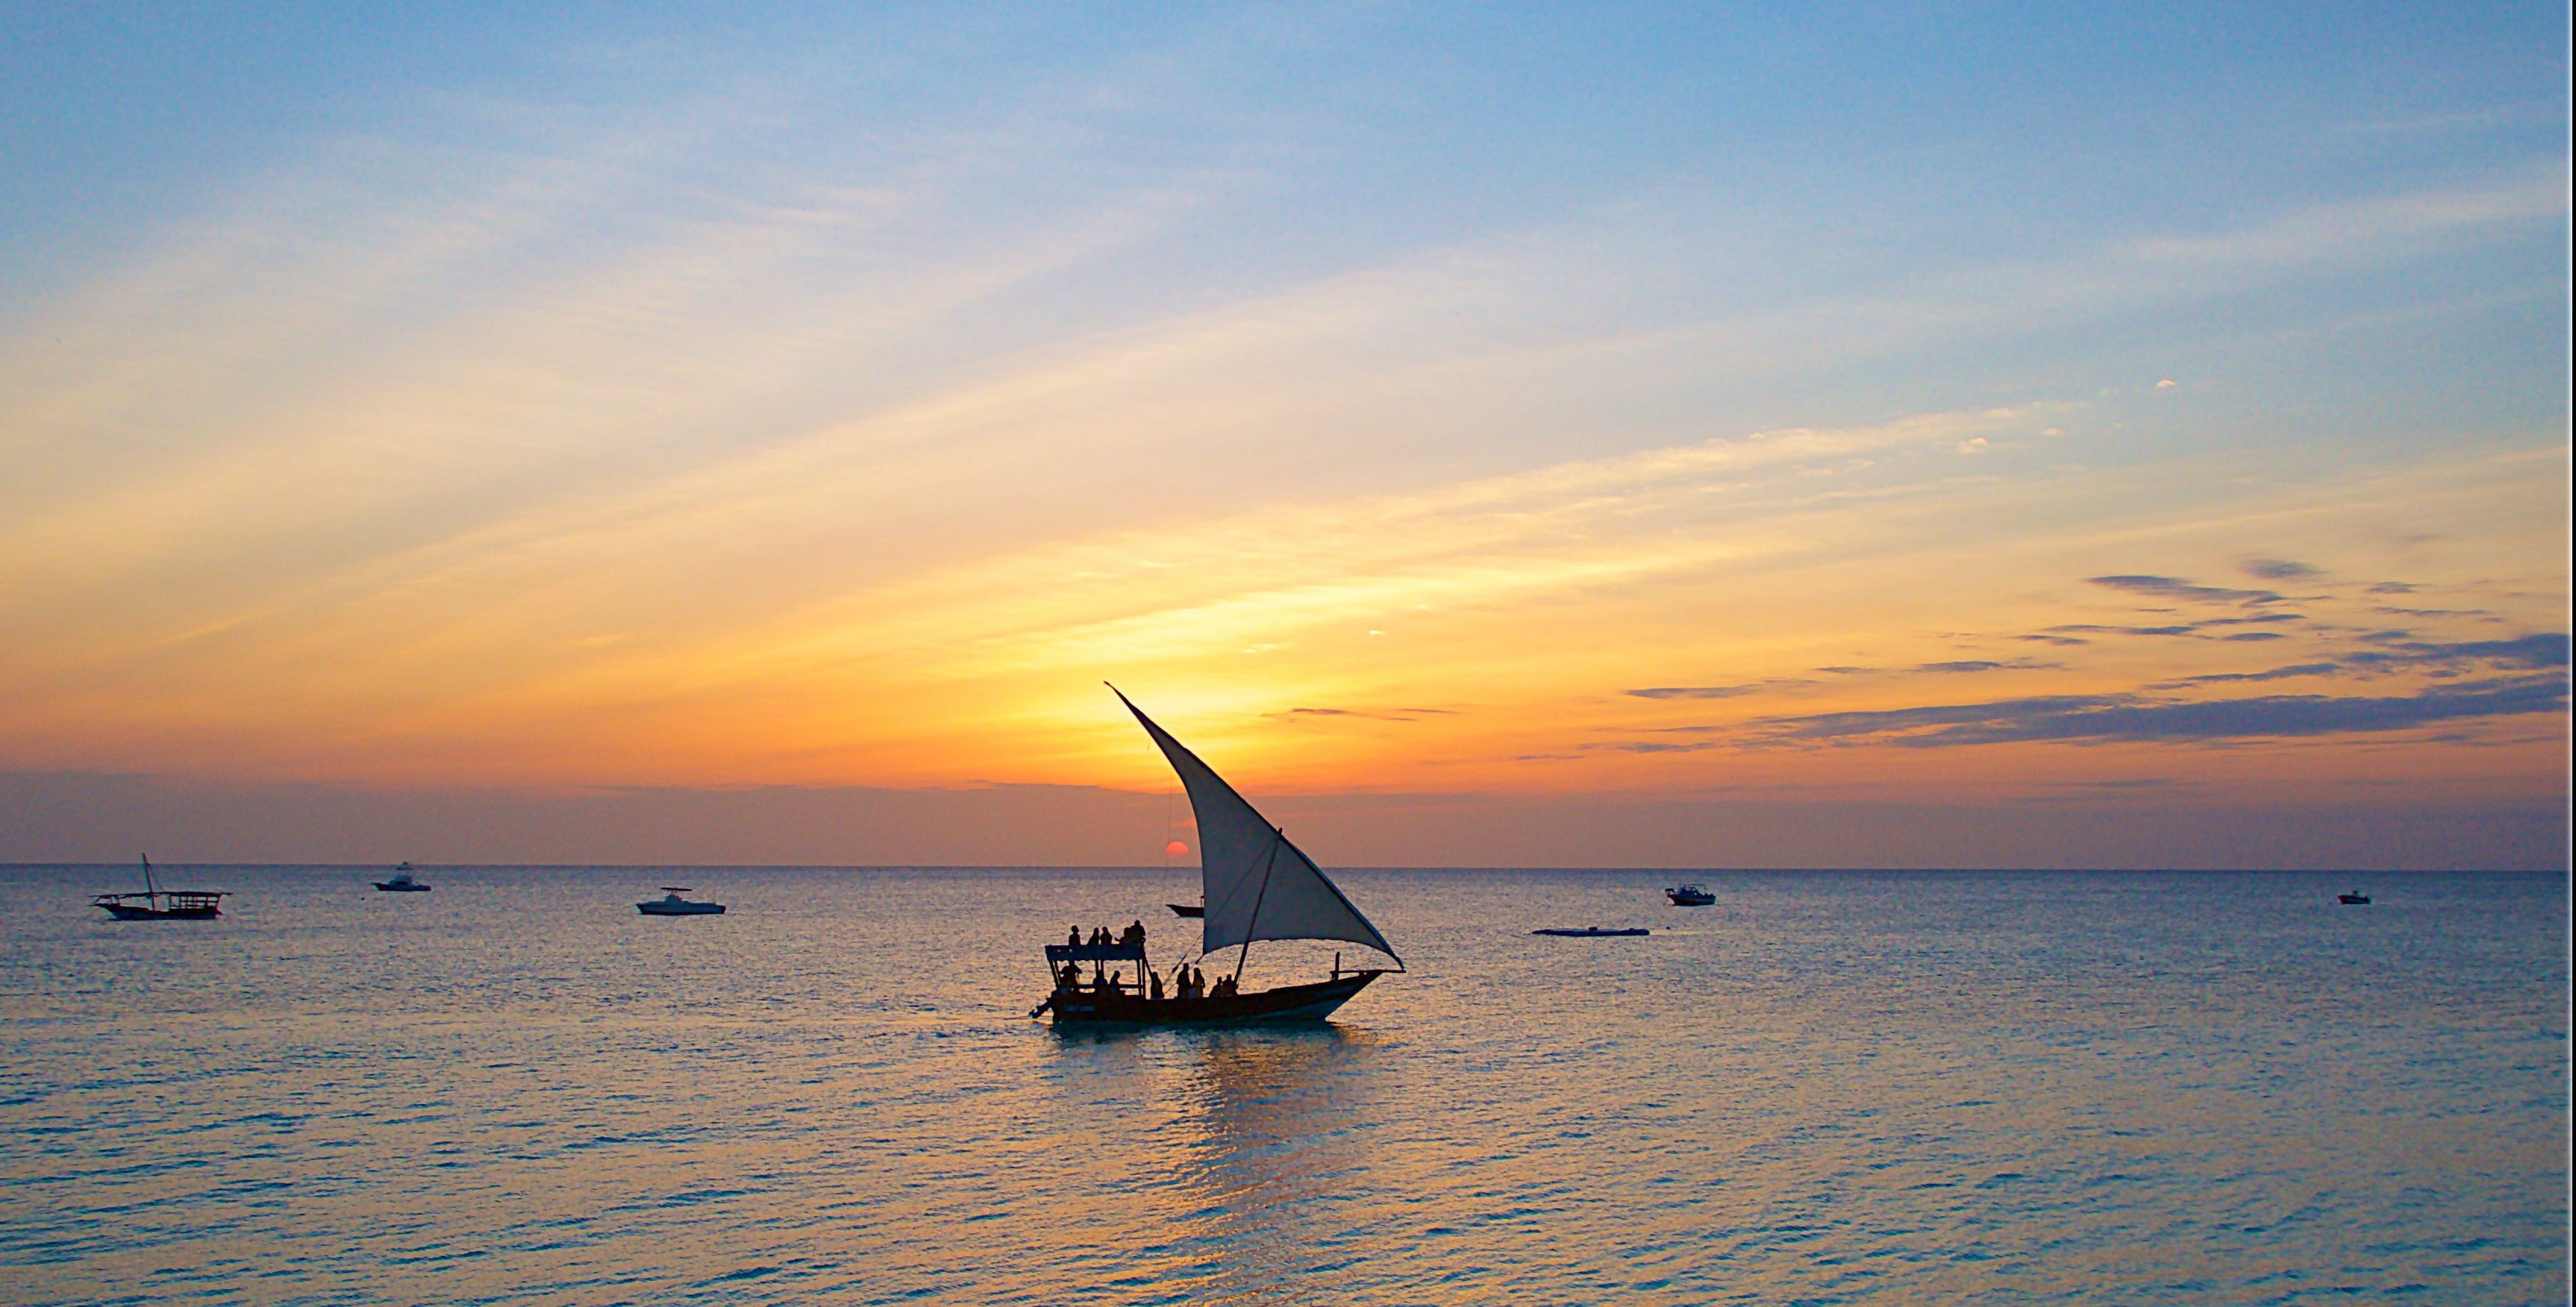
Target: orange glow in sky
[{"x": 792, "y": 430}]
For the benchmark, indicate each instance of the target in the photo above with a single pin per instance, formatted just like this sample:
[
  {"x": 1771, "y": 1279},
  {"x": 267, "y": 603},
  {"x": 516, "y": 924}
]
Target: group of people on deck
[
  {"x": 1100, "y": 936},
  {"x": 1187, "y": 980}
]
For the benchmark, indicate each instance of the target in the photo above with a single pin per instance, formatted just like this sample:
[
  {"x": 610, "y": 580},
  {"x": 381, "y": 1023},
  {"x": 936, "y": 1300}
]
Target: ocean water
[{"x": 1828, "y": 1088}]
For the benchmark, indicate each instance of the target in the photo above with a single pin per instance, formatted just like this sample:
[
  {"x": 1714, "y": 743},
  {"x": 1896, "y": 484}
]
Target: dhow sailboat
[{"x": 1256, "y": 885}]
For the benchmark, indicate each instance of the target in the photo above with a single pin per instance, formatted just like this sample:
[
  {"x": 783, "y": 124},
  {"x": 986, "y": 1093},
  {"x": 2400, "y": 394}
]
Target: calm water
[{"x": 1848, "y": 1087}]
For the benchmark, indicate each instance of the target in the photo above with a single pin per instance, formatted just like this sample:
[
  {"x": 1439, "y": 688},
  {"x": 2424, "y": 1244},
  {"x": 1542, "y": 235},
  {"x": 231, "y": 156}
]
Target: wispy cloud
[
  {"x": 1721, "y": 691},
  {"x": 2530, "y": 651},
  {"x": 2130, "y": 717},
  {"x": 2170, "y": 587},
  {"x": 2293, "y": 672},
  {"x": 2280, "y": 569}
]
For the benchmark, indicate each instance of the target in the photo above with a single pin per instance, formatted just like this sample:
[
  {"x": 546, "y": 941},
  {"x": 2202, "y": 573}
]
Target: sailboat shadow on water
[{"x": 1256, "y": 886}]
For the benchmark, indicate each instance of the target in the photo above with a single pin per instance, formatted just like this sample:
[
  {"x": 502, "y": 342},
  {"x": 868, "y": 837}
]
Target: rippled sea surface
[{"x": 1829, "y": 1088}]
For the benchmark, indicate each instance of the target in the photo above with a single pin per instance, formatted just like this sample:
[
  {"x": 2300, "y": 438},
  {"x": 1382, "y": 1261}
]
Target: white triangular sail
[{"x": 1256, "y": 884}]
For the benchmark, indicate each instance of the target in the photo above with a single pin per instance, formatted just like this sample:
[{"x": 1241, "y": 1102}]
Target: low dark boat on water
[
  {"x": 1254, "y": 885},
  {"x": 157, "y": 904},
  {"x": 672, "y": 905},
  {"x": 1590, "y": 932},
  {"x": 402, "y": 882},
  {"x": 1690, "y": 896},
  {"x": 2355, "y": 899}
]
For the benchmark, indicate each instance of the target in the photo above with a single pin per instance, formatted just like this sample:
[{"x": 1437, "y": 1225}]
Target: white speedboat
[{"x": 672, "y": 905}]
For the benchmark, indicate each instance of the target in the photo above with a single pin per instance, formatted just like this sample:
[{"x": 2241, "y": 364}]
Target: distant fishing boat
[
  {"x": 2355, "y": 899},
  {"x": 1689, "y": 895},
  {"x": 401, "y": 882},
  {"x": 1590, "y": 932},
  {"x": 157, "y": 904},
  {"x": 1254, "y": 885},
  {"x": 672, "y": 905},
  {"x": 1188, "y": 909}
]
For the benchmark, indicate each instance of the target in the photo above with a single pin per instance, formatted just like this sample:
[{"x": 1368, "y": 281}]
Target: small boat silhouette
[
  {"x": 672, "y": 905},
  {"x": 157, "y": 904},
  {"x": 401, "y": 882},
  {"x": 1590, "y": 932},
  {"x": 2353, "y": 898},
  {"x": 1690, "y": 896}
]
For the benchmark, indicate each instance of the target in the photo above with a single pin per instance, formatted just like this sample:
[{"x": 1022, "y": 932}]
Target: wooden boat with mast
[
  {"x": 157, "y": 904},
  {"x": 1256, "y": 885}
]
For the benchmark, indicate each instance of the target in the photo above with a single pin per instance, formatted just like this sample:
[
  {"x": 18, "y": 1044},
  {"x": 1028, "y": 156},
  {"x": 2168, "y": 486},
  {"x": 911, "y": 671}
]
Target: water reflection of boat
[
  {"x": 157, "y": 904},
  {"x": 401, "y": 882},
  {"x": 1690, "y": 896},
  {"x": 1261, "y": 1150},
  {"x": 1254, "y": 885},
  {"x": 672, "y": 905}
]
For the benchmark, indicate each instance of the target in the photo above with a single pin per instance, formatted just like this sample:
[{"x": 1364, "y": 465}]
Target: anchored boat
[
  {"x": 157, "y": 904},
  {"x": 672, "y": 905},
  {"x": 1690, "y": 895},
  {"x": 401, "y": 882},
  {"x": 1255, "y": 885}
]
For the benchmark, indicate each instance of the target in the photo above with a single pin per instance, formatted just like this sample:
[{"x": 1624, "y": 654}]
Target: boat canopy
[
  {"x": 1256, "y": 884},
  {"x": 1059, "y": 954}
]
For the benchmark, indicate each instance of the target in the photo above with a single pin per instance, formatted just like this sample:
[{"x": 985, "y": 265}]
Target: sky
[{"x": 1690, "y": 436}]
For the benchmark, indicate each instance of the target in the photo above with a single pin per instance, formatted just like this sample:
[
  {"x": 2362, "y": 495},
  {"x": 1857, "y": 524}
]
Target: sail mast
[{"x": 1266, "y": 866}]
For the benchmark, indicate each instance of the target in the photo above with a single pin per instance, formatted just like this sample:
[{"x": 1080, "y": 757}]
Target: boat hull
[
  {"x": 1286, "y": 1005},
  {"x": 390, "y": 888},
  {"x": 681, "y": 909},
  {"x": 1591, "y": 932},
  {"x": 124, "y": 913},
  {"x": 1186, "y": 909}
]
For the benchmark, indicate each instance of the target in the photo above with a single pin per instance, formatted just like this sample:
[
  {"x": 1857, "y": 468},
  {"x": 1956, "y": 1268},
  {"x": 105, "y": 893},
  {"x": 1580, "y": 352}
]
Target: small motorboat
[
  {"x": 1590, "y": 932},
  {"x": 2353, "y": 899},
  {"x": 401, "y": 882},
  {"x": 157, "y": 904},
  {"x": 1188, "y": 910},
  {"x": 672, "y": 905},
  {"x": 1690, "y": 896}
]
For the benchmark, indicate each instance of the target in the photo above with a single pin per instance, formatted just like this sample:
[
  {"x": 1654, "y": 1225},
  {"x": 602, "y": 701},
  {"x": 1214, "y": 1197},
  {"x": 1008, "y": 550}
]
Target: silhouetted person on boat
[
  {"x": 1070, "y": 978},
  {"x": 1154, "y": 986},
  {"x": 1073, "y": 937},
  {"x": 1134, "y": 934}
]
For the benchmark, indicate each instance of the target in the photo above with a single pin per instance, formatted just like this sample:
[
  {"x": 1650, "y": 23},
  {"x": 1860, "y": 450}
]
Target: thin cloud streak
[{"x": 2132, "y": 718}]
